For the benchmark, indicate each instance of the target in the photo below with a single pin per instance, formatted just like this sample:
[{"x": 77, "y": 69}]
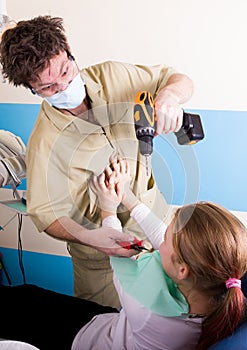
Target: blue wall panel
[
  {"x": 48, "y": 271},
  {"x": 213, "y": 169},
  {"x": 18, "y": 119}
]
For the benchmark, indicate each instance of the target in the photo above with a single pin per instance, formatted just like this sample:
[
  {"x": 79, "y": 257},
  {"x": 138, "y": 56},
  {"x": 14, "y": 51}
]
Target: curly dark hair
[{"x": 26, "y": 49}]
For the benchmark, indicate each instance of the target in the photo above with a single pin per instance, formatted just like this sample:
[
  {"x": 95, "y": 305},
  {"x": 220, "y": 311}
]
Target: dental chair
[
  {"x": 12, "y": 169},
  {"x": 236, "y": 341},
  {"x": 12, "y": 160}
]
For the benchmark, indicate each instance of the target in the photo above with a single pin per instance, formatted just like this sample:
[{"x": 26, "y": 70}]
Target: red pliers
[{"x": 137, "y": 245}]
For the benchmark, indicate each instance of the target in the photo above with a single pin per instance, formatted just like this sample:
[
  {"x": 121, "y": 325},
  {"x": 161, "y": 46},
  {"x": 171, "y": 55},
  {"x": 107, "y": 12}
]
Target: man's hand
[
  {"x": 167, "y": 104},
  {"x": 109, "y": 241},
  {"x": 169, "y": 113}
]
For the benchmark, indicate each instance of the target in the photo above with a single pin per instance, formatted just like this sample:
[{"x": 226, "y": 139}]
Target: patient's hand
[
  {"x": 108, "y": 192},
  {"x": 122, "y": 169}
]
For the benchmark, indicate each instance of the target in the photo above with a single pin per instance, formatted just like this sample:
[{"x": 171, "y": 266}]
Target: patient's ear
[{"x": 183, "y": 271}]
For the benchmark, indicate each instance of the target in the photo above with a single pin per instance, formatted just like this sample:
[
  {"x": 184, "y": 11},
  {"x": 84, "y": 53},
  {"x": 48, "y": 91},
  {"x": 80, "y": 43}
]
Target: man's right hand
[
  {"x": 104, "y": 239},
  {"x": 108, "y": 241}
]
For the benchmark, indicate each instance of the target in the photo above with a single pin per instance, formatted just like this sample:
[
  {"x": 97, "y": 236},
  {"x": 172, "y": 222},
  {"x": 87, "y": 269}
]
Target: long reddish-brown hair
[{"x": 213, "y": 243}]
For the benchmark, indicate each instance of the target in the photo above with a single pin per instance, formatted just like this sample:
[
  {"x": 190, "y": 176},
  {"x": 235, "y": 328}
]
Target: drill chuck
[{"x": 145, "y": 136}]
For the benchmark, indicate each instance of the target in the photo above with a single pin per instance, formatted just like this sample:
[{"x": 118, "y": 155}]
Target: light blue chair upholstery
[{"x": 237, "y": 341}]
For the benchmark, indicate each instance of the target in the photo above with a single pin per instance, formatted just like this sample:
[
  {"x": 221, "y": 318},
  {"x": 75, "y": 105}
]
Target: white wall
[{"x": 205, "y": 39}]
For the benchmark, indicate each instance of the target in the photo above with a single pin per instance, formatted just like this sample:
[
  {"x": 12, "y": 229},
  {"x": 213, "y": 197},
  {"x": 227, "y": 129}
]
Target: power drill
[{"x": 145, "y": 125}]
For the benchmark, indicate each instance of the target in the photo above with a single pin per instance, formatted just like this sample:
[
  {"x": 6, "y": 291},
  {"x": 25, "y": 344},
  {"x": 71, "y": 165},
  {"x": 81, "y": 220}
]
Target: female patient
[{"x": 190, "y": 284}]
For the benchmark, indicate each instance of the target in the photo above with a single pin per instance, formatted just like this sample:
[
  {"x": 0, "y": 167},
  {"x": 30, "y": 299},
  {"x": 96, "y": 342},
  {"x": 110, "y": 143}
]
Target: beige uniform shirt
[{"x": 63, "y": 151}]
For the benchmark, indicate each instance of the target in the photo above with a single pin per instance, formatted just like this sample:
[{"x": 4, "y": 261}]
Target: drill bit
[{"x": 146, "y": 158}]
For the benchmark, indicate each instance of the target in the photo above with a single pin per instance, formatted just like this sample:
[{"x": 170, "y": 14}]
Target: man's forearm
[
  {"x": 179, "y": 86},
  {"x": 65, "y": 229}
]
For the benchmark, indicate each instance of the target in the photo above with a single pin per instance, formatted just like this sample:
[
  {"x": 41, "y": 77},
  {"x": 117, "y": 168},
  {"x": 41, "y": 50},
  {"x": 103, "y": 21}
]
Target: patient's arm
[{"x": 151, "y": 225}]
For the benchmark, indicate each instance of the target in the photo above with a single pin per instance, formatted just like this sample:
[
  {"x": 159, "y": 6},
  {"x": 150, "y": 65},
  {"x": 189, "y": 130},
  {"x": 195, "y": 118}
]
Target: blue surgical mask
[{"x": 71, "y": 97}]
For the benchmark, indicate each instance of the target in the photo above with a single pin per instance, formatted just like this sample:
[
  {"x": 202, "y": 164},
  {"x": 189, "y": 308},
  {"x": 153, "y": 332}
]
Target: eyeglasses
[{"x": 69, "y": 72}]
